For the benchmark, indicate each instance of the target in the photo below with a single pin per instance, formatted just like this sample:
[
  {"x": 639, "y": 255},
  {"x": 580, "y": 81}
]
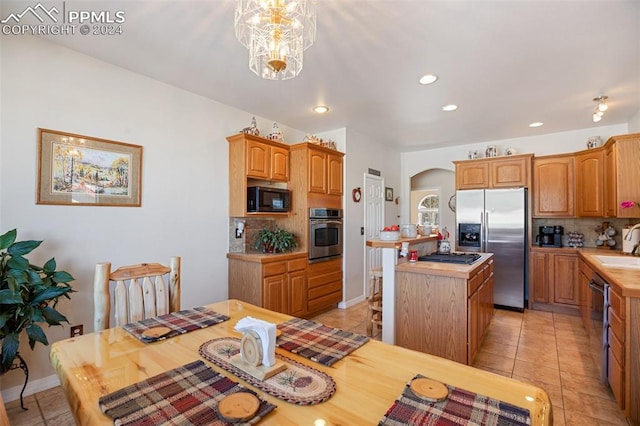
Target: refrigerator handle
[
  {"x": 482, "y": 232},
  {"x": 486, "y": 230}
]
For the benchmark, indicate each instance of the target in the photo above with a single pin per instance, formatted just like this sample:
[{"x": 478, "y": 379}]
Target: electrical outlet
[{"x": 76, "y": 330}]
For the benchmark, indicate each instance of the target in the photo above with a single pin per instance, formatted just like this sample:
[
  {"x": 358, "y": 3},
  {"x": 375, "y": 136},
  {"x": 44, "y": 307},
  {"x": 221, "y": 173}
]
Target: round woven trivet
[
  {"x": 430, "y": 390},
  {"x": 238, "y": 407},
  {"x": 155, "y": 332}
]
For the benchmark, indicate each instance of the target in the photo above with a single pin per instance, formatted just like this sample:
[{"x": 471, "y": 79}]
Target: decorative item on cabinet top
[
  {"x": 276, "y": 134},
  {"x": 252, "y": 129},
  {"x": 594, "y": 142},
  {"x": 510, "y": 151},
  {"x": 319, "y": 141},
  {"x": 491, "y": 151}
]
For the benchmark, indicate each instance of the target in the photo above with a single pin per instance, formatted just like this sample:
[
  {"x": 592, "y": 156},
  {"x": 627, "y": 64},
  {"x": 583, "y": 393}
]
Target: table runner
[
  {"x": 298, "y": 384},
  {"x": 318, "y": 342},
  {"x": 187, "y": 395},
  {"x": 460, "y": 408},
  {"x": 179, "y": 322}
]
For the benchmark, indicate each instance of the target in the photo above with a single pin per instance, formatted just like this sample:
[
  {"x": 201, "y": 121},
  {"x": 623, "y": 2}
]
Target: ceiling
[{"x": 505, "y": 63}]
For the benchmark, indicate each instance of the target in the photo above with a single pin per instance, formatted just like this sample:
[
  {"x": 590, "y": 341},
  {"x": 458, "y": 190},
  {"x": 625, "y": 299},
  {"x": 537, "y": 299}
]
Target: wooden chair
[
  {"x": 137, "y": 300},
  {"x": 374, "y": 297}
]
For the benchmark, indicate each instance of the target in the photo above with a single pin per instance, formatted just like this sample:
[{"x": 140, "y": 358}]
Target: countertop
[
  {"x": 627, "y": 279},
  {"x": 444, "y": 269},
  {"x": 377, "y": 243},
  {"x": 266, "y": 257}
]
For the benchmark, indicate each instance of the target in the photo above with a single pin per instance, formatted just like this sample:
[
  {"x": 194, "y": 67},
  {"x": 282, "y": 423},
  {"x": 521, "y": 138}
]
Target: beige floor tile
[
  {"x": 585, "y": 384},
  {"x": 52, "y": 402},
  {"x": 536, "y": 372},
  {"x": 591, "y": 406},
  {"x": 558, "y": 417},
  {"x": 19, "y": 417},
  {"x": 572, "y": 337},
  {"x": 577, "y": 419},
  {"x": 498, "y": 348},
  {"x": 63, "y": 419},
  {"x": 539, "y": 356},
  {"x": 493, "y": 361},
  {"x": 577, "y": 362},
  {"x": 554, "y": 392}
]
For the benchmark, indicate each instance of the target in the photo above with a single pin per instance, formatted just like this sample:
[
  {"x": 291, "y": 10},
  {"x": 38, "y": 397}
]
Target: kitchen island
[{"x": 444, "y": 309}]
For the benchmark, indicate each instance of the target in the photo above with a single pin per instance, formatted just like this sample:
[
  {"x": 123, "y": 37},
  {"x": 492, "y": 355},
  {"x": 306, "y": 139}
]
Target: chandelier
[
  {"x": 276, "y": 32},
  {"x": 601, "y": 107}
]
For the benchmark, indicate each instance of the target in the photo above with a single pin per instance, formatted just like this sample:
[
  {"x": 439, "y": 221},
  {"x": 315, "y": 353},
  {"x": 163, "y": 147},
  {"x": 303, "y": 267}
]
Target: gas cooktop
[{"x": 463, "y": 258}]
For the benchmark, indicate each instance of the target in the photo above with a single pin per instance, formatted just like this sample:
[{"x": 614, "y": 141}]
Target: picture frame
[
  {"x": 79, "y": 170},
  {"x": 388, "y": 194}
]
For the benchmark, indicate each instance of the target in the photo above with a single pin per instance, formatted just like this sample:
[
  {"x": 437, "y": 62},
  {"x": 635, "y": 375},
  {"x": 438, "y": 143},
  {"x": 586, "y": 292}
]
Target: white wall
[
  {"x": 553, "y": 143},
  {"x": 184, "y": 175},
  {"x": 363, "y": 153},
  {"x": 634, "y": 123}
]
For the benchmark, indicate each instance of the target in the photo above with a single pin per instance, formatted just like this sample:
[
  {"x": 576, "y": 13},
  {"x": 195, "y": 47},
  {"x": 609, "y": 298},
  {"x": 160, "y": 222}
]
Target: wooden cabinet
[
  {"x": 590, "y": 183},
  {"x": 621, "y": 175},
  {"x": 500, "y": 172},
  {"x": 325, "y": 172},
  {"x": 254, "y": 160},
  {"x": 443, "y": 315},
  {"x": 325, "y": 285},
  {"x": 276, "y": 283},
  {"x": 554, "y": 278},
  {"x": 586, "y": 273},
  {"x": 553, "y": 186}
]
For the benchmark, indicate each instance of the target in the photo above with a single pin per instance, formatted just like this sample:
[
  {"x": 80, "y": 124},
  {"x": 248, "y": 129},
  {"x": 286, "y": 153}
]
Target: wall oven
[{"x": 325, "y": 234}]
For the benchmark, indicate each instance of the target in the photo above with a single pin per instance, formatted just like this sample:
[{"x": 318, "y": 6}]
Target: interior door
[{"x": 373, "y": 222}]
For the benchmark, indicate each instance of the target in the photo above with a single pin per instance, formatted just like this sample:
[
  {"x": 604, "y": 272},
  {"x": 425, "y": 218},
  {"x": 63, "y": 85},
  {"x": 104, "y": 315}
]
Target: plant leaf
[
  {"x": 18, "y": 262},
  {"x": 62, "y": 277},
  {"x": 23, "y": 247},
  {"x": 53, "y": 317},
  {"x": 50, "y": 266},
  {"x": 49, "y": 293},
  {"x": 7, "y": 239},
  {"x": 34, "y": 278},
  {"x": 20, "y": 276},
  {"x": 35, "y": 333},
  {"x": 10, "y": 297},
  {"x": 4, "y": 317},
  {"x": 9, "y": 350}
]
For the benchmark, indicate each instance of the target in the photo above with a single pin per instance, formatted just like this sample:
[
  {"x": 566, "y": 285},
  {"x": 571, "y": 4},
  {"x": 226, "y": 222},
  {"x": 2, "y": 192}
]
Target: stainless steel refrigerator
[{"x": 495, "y": 221}]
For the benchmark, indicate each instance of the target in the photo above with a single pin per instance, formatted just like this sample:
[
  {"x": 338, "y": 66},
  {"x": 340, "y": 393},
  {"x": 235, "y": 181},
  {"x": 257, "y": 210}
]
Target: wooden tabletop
[{"x": 368, "y": 380}]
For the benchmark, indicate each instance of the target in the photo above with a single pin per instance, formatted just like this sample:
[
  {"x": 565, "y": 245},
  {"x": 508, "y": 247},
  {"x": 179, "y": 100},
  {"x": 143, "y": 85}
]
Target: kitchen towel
[
  {"x": 179, "y": 322},
  {"x": 318, "y": 342},
  {"x": 267, "y": 333},
  {"x": 461, "y": 407},
  {"x": 187, "y": 395}
]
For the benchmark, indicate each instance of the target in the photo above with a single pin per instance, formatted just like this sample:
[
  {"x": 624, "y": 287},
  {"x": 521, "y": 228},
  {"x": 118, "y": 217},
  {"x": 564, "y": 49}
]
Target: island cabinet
[
  {"x": 500, "y": 172},
  {"x": 621, "y": 175},
  {"x": 254, "y": 161},
  {"x": 590, "y": 183},
  {"x": 553, "y": 186},
  {"x": 275, "y": 282},
  {"x": 616, "y": 350},
  {"x": 444, "y": 310},
  {"x": 554, "y": 279}
]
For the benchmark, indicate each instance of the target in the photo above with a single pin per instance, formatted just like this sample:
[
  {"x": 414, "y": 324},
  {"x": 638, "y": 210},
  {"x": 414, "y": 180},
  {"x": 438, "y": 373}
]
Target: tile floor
[{"x": 546, "y": 349}]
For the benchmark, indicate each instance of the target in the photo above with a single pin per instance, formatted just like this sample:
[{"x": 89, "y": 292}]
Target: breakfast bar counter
[{"x": 368, "y": 380}]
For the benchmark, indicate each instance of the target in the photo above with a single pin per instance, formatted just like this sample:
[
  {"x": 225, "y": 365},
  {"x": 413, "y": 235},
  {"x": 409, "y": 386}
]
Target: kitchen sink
[{"x": 619, "y": 261}]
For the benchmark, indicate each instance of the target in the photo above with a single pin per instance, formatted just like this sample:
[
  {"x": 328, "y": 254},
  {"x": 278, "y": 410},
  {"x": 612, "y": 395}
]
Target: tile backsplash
[
  {"x": 586, "y": 226},
  {"x": 251, "y": 226}
]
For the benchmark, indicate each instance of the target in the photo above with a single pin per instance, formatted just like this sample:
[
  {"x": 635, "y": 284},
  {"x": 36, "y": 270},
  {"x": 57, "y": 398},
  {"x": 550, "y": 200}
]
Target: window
[{"x": 429, "y": 210}]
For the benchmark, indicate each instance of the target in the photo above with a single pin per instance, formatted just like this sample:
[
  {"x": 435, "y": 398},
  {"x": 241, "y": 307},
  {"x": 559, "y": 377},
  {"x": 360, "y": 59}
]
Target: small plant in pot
[
  {"x": 28, "y": 296},
  {"x": 274, "y": 240}
]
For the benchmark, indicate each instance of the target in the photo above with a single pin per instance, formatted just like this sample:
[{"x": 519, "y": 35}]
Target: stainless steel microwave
[{"x": 269, "y": 200}]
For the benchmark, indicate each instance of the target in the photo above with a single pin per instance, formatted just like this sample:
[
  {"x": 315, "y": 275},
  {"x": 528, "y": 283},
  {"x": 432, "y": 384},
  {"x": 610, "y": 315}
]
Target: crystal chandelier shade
[{"x": 276, "y": 32}]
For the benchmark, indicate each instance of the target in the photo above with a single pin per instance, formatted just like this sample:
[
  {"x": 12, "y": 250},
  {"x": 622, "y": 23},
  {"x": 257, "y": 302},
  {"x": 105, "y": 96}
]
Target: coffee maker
[{"x": 550, "y": 236}]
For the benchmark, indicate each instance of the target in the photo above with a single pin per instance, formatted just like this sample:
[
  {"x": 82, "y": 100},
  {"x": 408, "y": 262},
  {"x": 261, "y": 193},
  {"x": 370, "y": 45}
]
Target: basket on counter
[{"x": 389, "y": 235}]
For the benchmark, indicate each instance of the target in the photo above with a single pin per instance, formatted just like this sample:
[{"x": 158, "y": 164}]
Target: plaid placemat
[
  {"x": 187, "y": 395},
  {"x": 318, "y": 342},
  {"x": 460, "y": 408},
  {"x": 179, "y": 322}
]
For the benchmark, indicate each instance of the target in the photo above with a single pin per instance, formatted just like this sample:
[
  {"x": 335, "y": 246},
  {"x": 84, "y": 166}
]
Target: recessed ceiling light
[
  {"x": 536, "y": 124},
  {"x": 320, "y": 109},
  {"x": 450, "y": 107},
  {"x": 428, "y": 79}
]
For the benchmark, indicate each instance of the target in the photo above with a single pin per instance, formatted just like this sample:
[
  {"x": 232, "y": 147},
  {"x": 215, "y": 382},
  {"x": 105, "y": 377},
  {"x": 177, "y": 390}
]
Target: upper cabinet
[
  {"x": 590, "y": 183},
  {"x": 255, "y": 159},
  {"x": 500, "y": 172},
  {"x": 622, "y": 175},
  {"x": 319, "y": 171},
  {"x": 553, "y": 186}
]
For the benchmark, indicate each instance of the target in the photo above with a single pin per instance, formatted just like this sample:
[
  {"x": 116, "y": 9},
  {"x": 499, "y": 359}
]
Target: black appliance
[
  {"x": 325, "y": 234},
  {"x": 463, "y": 258},
  {"x": 599, "y": 321},
  {"x": 550, "y": 236},
  {"x": 267, "y": 199},
  {"x": 469, "y": 235}
]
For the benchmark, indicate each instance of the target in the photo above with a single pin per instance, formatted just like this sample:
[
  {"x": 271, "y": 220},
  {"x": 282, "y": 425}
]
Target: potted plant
[
  {"x": 28, "y": 296},
  {"x": 275, "y": 240}
]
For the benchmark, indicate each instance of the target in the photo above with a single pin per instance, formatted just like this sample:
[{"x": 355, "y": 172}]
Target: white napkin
[{"x": 266, "y": 331}]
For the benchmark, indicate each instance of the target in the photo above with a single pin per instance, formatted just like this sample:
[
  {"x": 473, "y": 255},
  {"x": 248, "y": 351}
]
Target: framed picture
[
  {"x": 81, "y": 170},
  {"x": 388, "y": 194}
]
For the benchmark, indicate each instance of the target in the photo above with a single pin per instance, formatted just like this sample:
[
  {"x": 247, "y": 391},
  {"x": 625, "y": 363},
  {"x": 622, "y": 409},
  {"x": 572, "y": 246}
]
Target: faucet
[{"x": 629, "y": 237}]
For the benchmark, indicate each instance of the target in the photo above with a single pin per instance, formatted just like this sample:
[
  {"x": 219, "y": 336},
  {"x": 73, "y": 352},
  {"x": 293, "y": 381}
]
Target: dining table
[{"x": 367, "y": 381}]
